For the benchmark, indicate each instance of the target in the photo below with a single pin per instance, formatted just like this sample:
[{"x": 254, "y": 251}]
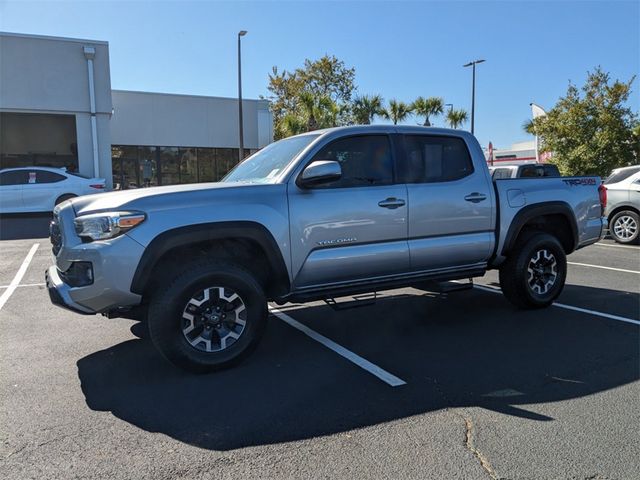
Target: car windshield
[
  {"x": 621, "y": 175},
  {"x": 265, "y": 166}
]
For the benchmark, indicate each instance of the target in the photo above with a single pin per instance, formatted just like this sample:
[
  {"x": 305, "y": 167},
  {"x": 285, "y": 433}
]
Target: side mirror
[{"x": 320, "y": 171}]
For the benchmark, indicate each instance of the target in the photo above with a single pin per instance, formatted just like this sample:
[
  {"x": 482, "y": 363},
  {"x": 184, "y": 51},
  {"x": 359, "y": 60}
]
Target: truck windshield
[{"x": 265, "y": 166}]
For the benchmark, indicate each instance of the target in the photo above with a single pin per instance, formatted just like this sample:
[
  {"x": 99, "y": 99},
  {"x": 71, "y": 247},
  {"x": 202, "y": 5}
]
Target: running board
[
  {"x": 357, "y": 302},
  {"x": 443, "y": 287}
]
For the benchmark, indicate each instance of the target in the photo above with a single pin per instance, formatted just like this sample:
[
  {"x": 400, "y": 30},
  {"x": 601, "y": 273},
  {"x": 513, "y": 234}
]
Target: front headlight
[{"x": 100, "y": 226}]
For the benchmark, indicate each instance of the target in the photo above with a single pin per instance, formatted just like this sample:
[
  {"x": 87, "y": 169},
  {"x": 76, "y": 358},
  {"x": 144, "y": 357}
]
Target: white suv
[
  {"x": 40, "y": 189},
  {"x": 623, "y": 204}
]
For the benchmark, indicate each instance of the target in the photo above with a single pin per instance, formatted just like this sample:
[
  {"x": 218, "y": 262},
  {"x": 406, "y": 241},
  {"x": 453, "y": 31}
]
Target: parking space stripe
[
  {"x": 25, "y": 285},
  {"x": 629, "y": 247},
  {"x": 604, "y": 268},
  {"x": 373, "y": 369},
  {"x": 19, "y": 274},
  {"x": 571, "y": 307}
]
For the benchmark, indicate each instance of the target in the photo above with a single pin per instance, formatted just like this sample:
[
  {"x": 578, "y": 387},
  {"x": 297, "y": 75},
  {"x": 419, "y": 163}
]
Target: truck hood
[{"x": 156, "y": 198}]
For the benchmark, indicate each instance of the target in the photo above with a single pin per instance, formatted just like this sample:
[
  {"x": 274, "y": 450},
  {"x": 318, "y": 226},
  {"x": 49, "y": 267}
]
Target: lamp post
[
  {"x": 241, "y": 33},
  {"x": 473, "y": 90},
  {"x": 450, "y": 105}
]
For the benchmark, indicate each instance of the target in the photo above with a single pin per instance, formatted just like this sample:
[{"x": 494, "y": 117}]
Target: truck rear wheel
[
  {"x": 209, "y": 317},
  {"x": 534, "y": 274}
]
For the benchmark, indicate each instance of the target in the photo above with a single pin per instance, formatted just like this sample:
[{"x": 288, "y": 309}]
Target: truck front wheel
[
  {"x": 535, "y": 271},
  {"x": 208, "y": 317}
]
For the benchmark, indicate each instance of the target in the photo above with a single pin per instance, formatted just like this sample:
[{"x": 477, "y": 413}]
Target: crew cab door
[
  {"x": 352, "y": 228},
  {"x": 451, "y": 203}
]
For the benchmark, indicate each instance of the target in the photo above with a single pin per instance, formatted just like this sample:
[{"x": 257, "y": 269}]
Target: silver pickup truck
[{"x": 322, "y": 215}]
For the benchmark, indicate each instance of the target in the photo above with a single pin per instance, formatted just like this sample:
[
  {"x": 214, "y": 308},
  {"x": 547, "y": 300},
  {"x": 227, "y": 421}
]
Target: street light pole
[
  {"x": 473, "y": 91},
  {"x": 241, "y": 33}
]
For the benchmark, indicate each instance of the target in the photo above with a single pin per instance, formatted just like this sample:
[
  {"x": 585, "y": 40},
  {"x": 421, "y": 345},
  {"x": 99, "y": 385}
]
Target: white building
[
  {"x": 521, "y": 152},
  {"x": 57, "y": 109}
]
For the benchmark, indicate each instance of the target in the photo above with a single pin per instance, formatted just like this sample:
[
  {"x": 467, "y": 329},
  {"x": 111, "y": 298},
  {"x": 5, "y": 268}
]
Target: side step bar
[{"x": 357, "y": 302}]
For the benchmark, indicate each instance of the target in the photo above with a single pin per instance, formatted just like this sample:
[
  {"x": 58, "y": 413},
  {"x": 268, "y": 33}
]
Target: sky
[{"x": 400, "y": 49}]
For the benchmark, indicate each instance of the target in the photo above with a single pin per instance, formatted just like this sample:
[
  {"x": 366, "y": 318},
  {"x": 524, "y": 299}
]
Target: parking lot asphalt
[{"x": 485, "y": 391}]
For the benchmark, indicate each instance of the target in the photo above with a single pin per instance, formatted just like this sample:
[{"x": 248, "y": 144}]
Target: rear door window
[
  {"x": 432, "y": 159},
  {"x": 45, "y": 176}
]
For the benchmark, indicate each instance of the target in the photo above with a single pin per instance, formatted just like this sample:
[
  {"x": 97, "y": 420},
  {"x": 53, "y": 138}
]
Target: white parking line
[
  {"x": 25, "y": 285},
  {"x": 382, "y": 374},
  {"x": 617, "y": 246},
  {"x": 571, "y": 307},
  {"x": 604, "y": 268},
  {"x": 16, "y": 280}
]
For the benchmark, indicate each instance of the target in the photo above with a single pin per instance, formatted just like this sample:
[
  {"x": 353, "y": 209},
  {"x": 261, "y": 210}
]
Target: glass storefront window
[
  {"x": 226, "y": 159},
  {"x": 188, "y": 165},
  {"x": 169, "y": 166},
  {"x": 148, "y": 167},
  {"x": 207, "y": 164},
  {"x": 140, "y": 166}
]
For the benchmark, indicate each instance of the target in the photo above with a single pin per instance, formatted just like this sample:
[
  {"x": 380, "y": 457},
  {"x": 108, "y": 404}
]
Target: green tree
[
  {"x": 428, "y": 107},
  {"x": 327, "y": 80},
  {"x": 456, "y": 118},
  {"x": 366, "y": 107},
  {"x": 590, "y": 130},
  {"x": 397, "y": 111}
]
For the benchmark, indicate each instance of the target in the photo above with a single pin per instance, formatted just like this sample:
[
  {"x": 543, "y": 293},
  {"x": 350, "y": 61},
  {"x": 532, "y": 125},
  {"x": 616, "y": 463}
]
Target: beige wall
[
  {"x": 41, "y": 73},
  {"x": 142, "y": 118},
  {"x": 49, "y": 75}
]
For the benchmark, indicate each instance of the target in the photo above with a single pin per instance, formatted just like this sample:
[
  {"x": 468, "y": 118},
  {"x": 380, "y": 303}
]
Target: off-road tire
[
  {"x": 168, "y": 305},
  {"x": 516, "y": 279}
]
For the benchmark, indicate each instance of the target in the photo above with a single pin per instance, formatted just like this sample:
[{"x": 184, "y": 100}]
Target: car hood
[{"x": 156, "y": 198}]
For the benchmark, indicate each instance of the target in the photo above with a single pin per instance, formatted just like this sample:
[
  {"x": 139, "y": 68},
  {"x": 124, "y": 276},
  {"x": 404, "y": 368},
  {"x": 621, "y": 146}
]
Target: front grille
[{"x": 55, "y": 235}]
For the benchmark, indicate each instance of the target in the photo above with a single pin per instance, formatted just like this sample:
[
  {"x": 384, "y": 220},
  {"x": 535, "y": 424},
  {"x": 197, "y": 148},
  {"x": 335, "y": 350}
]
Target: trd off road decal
[{"x": 579, "y": 181}]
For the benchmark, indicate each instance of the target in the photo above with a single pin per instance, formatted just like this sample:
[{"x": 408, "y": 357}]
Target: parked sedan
[
  {"x": 40, "y": 189},
  {"x": 623, "y": 204}
]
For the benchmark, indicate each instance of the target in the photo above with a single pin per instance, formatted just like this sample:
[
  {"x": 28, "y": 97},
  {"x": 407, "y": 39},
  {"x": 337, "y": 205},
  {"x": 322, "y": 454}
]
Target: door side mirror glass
[{"x": 320, "y": 171}]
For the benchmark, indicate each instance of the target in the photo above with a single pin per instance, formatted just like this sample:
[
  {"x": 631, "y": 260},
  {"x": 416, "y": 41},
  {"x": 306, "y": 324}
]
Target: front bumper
[{"x": 59, "y": 292}]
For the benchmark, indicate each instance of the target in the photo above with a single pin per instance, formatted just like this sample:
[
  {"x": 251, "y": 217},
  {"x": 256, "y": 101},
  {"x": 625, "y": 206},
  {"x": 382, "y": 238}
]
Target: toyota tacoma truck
[{"x": 322, "y": 215}]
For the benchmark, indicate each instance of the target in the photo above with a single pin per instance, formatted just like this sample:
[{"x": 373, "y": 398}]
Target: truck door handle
[
  {"x": 475, "y": 197},
  {"x": 391, "y": 203}
]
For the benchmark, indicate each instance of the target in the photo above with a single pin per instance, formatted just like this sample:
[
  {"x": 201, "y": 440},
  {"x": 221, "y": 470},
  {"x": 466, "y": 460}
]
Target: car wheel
[
  {"x": 534, "y": 274},
  {"x": 625, "y": 227},
  {"x": 64, "y": 197},
  {"x": 209, "y": 317}
]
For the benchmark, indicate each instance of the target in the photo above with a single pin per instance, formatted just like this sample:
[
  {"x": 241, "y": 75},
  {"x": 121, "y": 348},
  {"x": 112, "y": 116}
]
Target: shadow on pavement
[
  {"x": 472, "y": 349},
  {"x": 18, "y": 226}
]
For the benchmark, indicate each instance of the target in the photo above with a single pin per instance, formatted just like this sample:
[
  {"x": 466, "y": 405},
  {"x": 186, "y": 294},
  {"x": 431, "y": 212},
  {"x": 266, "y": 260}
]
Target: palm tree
[
  {"x": 318, "y": 111},
  {"x": 397, "y": 111},
  {"x": 366, "y": 107},
  {"x": 529, "y": 127},
  {"x": 428, "y": 107},
  {"x": 456, "y": 118},
  {"x": 293, "y": 125}
]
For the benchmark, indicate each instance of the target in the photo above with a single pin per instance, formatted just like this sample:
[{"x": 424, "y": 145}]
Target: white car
[
  {"x": 623, "y": 204},
  {"x": 40, "y": 189}
]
